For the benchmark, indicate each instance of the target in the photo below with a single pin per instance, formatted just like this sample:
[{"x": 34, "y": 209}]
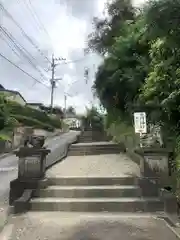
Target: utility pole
[
  {"x": 53, "y": 83},
  {"x": 65, "y": 99},
  {"x": 53, "y": 79}
]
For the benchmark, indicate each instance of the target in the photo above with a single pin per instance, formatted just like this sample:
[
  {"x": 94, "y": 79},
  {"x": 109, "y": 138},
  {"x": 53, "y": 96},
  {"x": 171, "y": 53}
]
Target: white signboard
[{"x": 140, "y": 122}]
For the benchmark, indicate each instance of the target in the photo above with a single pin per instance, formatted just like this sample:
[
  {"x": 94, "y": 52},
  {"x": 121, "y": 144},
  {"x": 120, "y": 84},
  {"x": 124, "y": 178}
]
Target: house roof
[{"x": 12, "y": 91}]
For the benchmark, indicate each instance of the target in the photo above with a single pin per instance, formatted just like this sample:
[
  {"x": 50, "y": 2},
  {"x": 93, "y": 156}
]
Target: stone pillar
[
  {"x": 154, "y": 166},
  {"x": 31, "y": 165},
  {"x": 171, "y": 207},
  {"x": 31, "y": 172}
]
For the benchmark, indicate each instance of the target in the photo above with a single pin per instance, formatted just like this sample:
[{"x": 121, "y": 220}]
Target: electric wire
[
  {"x": 22, "y": 31},
  {"x": 5, "y": 40},
  {"x": 25, "y": 53},
  {"x": 27, "y": 7},
  {"x": 22, "y": 70},
  {"x": 16, "y": 43},
  {"x": 39, "y": 21}
]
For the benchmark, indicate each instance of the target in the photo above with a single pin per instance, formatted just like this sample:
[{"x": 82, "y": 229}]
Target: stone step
[
  {"x": 94, "y": 145},
  {"x": 92, "y": 152},
  {"x": 92, "y": 181},
  {"x": 85, "y": 140},
  {"x": 96, "y": 204},
  {"x": 94, "y": 149},
  {"x": 89, "y": 191},
  {"x": 80, "y": 150}
]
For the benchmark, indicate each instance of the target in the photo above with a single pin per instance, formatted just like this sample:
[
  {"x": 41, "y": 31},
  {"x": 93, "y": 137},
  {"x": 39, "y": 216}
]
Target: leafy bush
[
  {"x": 29, "y": 115},
  {"x": 55, "y": 122},
  {"x": 93, "y": 118},
  {"x": 28, "y": 121},
  {"x": 11, "y": 123},
  {"x": 15, "y": 108},
  {"x": 4, "y": 137}
]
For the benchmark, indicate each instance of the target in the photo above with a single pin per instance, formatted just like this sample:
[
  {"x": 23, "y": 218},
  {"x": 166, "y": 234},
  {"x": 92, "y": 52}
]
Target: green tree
[
  {"x": 163, "y": 81},
  {"x": 162, "y": 20},
  {"x": 3, "y": 112},
  {"x": 71, "y": 110},
  {"x": 123, "y": 72},
  {"x": 107, "y": 29},
  {"x": 93, "y": 118}
]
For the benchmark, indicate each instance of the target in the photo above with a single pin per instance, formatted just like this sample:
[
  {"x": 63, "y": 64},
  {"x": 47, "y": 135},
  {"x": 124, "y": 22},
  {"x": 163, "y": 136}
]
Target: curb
[
  {"x": 6, "y": 217},
  {"x": 171, "y": 226},
  {"x": 6, "y": 155}
]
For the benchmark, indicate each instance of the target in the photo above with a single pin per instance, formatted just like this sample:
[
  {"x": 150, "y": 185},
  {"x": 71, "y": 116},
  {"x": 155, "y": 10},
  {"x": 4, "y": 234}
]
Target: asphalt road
[{"x": 9, "y": 165}]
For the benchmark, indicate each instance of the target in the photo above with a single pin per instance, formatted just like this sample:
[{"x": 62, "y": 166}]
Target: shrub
[
  {"x": 29, "y": 113},
  {"x": 55, "y": 122},
  {"x": 29, "y": 121},
  {"x": 15, "y": 108}
]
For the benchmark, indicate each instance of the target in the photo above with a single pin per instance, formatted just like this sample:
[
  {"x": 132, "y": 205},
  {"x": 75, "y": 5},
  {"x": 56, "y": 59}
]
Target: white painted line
[{"x": 7, "y": 169}]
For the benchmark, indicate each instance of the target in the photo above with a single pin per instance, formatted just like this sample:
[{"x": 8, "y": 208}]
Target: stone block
[
  {"x": 170, "y": 205},
  {"x": 155, "y": 164},
  {"x": 17, "y": 188},
  {"x": 31, "y": 164},
  {"x": 149, "y": 187}
]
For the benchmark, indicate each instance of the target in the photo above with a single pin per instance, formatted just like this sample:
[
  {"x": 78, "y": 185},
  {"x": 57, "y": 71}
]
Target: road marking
[{"x": 7, "y": 169}]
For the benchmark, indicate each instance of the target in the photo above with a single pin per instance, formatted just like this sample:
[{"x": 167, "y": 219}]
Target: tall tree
[
  {"x": 107, "y": 29},
  {"x": 71, "y": 110},
  {"x": 123, "y": 72}
]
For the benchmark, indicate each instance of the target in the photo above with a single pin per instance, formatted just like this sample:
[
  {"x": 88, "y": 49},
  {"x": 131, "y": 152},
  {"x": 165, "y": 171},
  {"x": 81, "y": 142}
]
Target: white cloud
[
  {"x": 67, "y": 22},
  {"x": 67, "y": 34}
]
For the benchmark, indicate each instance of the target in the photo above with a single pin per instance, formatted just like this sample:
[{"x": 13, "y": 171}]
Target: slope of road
[{"x": 9, "y": 168}]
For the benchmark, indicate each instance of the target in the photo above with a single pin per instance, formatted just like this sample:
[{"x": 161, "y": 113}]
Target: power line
[
  {"x": 23, "y": 32},
  {"x": 25, "y": 53},
  {"x": 15, "y": 42},
  {"x": 39, "y": 21},
  {"x": 27, "y": 6},
  {"x": 22, "y": 70},
  {"x": 73, "y": 61},
  {"x": 29, "y": 10},
  {"x": 5, "y": 40}
]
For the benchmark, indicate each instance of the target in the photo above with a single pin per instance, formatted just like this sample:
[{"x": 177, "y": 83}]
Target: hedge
[
  {"x": 28, "y": 121},
  {"x": 56, "y": 123},
  {"x": 33, "y": 114}
]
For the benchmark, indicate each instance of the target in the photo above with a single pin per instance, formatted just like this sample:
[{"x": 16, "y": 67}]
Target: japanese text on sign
[{"x": 140, "y": 122}]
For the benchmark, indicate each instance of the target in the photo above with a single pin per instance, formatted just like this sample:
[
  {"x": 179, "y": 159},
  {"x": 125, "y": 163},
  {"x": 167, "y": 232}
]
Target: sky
[{"x": 61, "y": 28}]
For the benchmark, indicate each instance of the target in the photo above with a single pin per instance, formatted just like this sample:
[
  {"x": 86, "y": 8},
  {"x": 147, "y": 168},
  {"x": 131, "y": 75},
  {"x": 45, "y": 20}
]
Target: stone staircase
[
  {"x": 90, "y": 135},
  {"x": 95, "y": 148},
  {"x": 93, "y": 194},
  {"x": 85, "y": 137}
]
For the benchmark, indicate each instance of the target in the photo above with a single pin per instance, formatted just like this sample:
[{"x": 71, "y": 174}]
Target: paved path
[
  {"x": 9, "y": 170},
  {"x": 88, "y": 226},
  {"x": 100, "y": 165},
  {"x": 73, "y": 226}
]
